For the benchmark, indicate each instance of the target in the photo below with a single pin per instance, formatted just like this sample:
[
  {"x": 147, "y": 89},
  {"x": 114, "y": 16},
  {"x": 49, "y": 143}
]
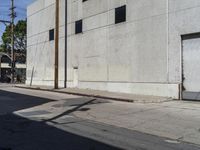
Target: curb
[{"x": 79, "y": 94}]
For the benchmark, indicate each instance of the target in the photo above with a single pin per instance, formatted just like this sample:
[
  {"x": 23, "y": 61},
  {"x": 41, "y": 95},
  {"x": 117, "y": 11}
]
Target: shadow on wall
[{"x": 18, "y": 133}]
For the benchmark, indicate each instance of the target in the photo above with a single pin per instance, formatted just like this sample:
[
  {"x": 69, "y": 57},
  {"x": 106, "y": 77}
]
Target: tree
[
  {"x": 1, "y": 49},
  {"x": 19, "y": 41}
]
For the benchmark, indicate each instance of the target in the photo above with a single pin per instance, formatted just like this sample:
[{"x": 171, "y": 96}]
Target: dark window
[
  {"x": 78, "y": 26},
  {"x": 84, "y": 0},
  {"x": 51, "y": 35},
  {"x": 120, "y": 14}
]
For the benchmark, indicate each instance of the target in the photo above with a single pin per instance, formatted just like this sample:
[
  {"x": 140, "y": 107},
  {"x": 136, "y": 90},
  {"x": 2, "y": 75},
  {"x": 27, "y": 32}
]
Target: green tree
[{"x": 19, "y": 41}]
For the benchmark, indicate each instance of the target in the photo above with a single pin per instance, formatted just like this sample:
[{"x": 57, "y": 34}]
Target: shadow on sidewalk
[
  {"x": 10, "y": 102},
  {"x": 17, "y": 133},
  {"x": 76, "y": 108}
]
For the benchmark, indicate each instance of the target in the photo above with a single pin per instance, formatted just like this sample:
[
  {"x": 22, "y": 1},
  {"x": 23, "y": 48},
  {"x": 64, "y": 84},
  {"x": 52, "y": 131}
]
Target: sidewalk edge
[{"x": 76, "y": 93}]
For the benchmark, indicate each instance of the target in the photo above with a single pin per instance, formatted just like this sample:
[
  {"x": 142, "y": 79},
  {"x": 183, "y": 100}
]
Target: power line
[
  {"x": 4, "y": 21},
  {"x": 4, "y": 5}
]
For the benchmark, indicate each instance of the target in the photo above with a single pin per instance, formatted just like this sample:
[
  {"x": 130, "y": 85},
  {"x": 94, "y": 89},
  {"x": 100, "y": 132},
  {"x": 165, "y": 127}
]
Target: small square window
[
  {"x": 78, "y": 26},
  {"x": 120, "y": 14},
  {"x": 51, "y": 35}
]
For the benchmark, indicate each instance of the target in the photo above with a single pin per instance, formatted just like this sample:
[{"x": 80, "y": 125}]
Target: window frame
[
  {"x": 79, "y": 26},
  {"x": 120, "y": 14},
  {"x": 51, "y": 35}
]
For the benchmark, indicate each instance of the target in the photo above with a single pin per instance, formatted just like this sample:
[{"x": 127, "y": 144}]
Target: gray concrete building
[{"x": 149, "y": 47}]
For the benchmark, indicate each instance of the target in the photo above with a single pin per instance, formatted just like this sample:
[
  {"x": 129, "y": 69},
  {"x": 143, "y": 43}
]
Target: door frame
[
  {"x": 185, "y": 37},
  {"x": 75, "y": 77}
]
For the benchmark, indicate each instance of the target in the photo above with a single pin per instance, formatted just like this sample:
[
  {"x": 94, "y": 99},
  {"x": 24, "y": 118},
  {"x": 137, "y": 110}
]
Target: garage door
[{"x": 191, "y": 67}]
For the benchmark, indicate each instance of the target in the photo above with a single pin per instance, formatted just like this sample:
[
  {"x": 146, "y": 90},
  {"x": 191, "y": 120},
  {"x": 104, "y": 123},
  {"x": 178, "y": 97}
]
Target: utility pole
[
  {"x": 56, "y": 45},
  {"x": 12, "y": 15}
]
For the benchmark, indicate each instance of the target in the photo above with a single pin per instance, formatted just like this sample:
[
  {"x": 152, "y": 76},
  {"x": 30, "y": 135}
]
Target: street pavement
[{"x": 39, "y": 120}]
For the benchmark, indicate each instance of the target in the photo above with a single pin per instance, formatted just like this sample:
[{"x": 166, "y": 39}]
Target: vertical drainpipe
[
  {"x": 167, "y": 43},
  {"x": 65, "y": 55}
]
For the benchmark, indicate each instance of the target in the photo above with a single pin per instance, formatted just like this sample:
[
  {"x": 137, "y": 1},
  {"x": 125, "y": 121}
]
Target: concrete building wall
[
  {"x": 121, "y": 57},
  {"x": 40, "y": 51},
  {"x": 139, "y": 56},
  {"x": 183, "y": 19}
]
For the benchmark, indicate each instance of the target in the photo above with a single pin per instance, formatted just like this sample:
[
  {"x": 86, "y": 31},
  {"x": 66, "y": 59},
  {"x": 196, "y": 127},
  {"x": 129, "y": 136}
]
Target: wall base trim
[{"x": 152, "y": 89}]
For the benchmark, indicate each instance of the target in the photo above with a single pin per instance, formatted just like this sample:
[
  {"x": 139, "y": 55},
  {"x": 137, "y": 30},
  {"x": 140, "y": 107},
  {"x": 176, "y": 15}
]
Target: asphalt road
[{"x": 66, "y": 132}]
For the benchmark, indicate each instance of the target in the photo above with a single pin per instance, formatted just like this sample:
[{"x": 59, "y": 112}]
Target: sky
[{"x": 20, "y": 10}]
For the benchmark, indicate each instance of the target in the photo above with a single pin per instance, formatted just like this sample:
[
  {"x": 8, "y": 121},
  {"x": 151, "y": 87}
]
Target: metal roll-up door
[{"x": 191, "y": 67}]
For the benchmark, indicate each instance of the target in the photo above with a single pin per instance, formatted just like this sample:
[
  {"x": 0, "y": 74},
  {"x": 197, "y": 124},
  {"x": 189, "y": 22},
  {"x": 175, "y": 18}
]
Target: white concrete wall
[
  {"x": 140, "y": 56},
  {"x": 40, "y": 51},
  {"x": 128, "y": 57},
  {"x": 184, "y": 19}
]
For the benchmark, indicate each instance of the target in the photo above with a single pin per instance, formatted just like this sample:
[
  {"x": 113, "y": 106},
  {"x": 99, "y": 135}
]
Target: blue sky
[{"x": 20, "y": 10}]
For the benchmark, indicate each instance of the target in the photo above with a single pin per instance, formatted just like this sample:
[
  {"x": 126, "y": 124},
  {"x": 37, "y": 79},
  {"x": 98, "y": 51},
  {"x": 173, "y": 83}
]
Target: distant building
[
  {"x": 149, "y": 47},
  {"x": 5, "y": 70}
]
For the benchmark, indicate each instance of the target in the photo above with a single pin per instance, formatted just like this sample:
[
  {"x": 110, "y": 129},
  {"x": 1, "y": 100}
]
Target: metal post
[
  {"x": 56, "y": 45},
  {"x": 12, "y": 41},
  {"x": 65, "y": 74}
]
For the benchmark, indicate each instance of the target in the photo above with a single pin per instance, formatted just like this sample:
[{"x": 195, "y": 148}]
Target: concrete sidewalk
[
  {"x": 101, "y": 94},
  {"x": 176, "y": 120}
]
